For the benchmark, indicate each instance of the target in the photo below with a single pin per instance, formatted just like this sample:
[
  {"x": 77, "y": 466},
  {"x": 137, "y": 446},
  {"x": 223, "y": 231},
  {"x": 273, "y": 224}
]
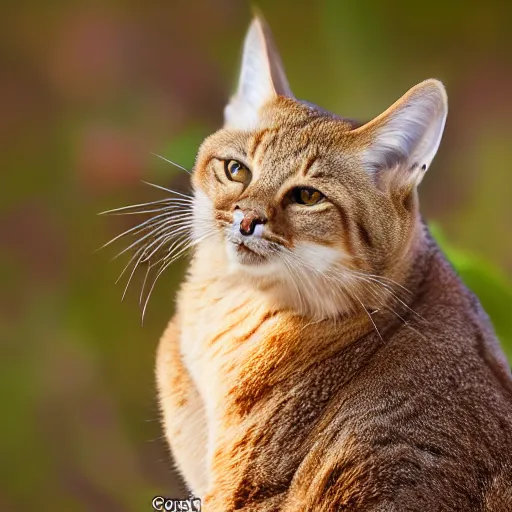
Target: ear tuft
[
  {"x": 261, "y": 78},
  {"x": 408, "y": 134}
]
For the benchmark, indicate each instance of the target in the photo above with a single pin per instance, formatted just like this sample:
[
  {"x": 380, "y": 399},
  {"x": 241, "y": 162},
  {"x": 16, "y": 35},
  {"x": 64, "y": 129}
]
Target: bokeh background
[{"x": 87, "y": 91}]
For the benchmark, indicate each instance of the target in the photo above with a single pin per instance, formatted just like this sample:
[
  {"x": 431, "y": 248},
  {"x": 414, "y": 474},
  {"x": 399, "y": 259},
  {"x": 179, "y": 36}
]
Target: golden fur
[{"x": 336, "y": 362}]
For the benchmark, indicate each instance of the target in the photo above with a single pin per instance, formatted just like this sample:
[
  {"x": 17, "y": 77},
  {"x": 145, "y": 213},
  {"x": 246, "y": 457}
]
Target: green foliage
[{"x": 488, "y": 283}]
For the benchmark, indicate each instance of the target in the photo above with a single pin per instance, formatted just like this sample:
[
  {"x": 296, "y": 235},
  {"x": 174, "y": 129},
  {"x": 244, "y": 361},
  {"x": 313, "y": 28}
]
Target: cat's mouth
[
  {"x": 247, "y": 252},
  {"x": 247, "y": 255},
  {"x": 243, "y": 249}
]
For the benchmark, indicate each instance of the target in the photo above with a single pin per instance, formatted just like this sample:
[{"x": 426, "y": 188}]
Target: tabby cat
[{"x": 324, "y": 356}]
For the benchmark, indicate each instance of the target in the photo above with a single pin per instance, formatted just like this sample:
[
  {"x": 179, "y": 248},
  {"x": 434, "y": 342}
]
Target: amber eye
[
  {"x": 307, "y": 195},
  {"x": 235, "y": 171}
]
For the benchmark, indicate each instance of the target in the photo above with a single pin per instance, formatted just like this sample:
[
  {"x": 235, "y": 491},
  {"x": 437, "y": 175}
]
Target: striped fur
[{"x": 336, "y": 362}]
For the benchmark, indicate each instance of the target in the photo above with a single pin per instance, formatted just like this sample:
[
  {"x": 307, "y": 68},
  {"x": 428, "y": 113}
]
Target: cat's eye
[
  {"x": 236, "y": 171},
  {"x": 307, "y": 196}
]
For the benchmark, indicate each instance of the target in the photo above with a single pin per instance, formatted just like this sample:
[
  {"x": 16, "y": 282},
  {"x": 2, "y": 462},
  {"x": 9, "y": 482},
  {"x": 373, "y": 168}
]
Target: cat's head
[{"x": 316, "y": 205}]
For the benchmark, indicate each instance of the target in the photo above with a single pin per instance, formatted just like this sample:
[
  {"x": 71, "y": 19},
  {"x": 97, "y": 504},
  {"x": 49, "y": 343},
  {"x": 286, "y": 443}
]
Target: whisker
[
  {"x": 178, "y": 248},
  {"x": 128, "y": 264},
  {"x": 174, "y": 227},
  {"x": 369, "y": 316},
  {"x": 170, "y": 222},
  {"x": 131, "y": 276},
  {"x": 367, "y": 274},
  {"x": 170, "y": 208},
  {"x": 167, "y": 189},
  {"x": 171, "y": 162},
  {"x": 394, "y": 296},
  {"x": 166, "y": 237},
  {"x": 144, "y": 283},
  {"x": 174, "y": 245},
  {"x": 136, "y": 228},
  {"x": 371, "y": 286},
  {"x": 163, "y": 224},
  {"x": 162, "y": 269},
  {"x": 143, "y": 205},
  {"x": 386, "y": 307},
  {"x": 138, "y": 241}
]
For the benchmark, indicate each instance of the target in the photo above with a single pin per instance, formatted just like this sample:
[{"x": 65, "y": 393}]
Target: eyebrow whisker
[{"x": 171, "y": 162}]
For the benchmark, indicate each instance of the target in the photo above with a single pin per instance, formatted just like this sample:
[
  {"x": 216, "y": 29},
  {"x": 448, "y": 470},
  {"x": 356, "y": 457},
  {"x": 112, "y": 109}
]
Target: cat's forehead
[
  {"x": 289, "y": 136},
  {"x": 298, "y": 115}
]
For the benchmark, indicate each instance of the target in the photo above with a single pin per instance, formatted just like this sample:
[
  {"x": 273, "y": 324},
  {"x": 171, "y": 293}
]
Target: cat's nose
[{"x": 250, "y": 221}]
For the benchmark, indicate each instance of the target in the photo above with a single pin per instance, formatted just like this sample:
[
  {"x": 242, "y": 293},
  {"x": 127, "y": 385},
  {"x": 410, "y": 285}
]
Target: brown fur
[{"x": 273, "y": 403}]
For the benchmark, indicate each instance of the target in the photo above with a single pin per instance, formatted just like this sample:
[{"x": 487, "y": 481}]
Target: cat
[{"x": 324, "y": 355}]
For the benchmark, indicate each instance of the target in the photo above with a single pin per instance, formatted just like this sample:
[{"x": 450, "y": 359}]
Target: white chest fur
[{"x": 213, "y": 317}]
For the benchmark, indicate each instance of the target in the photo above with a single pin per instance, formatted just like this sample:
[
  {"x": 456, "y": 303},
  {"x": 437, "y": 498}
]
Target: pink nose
[{"x": 250, "y": 220}]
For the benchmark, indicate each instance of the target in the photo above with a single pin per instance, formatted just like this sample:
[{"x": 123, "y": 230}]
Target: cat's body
[
  {"x": 361, "y": 376},
  {"x": 321, "y": 416}
]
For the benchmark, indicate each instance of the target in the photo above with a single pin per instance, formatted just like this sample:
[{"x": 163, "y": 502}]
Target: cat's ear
[
  {"x": 401, "y": 143},
  {"x": 261, "y": 78}
]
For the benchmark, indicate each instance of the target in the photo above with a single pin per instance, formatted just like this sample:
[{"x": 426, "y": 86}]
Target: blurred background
[{"x": 87, "y": 91}]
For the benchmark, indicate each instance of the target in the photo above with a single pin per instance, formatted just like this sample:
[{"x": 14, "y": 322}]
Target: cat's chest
[{"x": 219, "y": 324}]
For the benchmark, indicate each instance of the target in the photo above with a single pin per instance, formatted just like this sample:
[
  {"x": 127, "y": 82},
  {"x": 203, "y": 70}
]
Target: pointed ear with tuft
[
  {"x": 261, "y": 78},
  {"x": 400, "y": 144}
]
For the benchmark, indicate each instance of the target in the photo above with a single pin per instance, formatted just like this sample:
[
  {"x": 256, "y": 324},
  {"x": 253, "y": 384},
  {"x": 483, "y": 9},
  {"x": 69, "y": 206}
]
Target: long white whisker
[
  {"x": 171, "y": 162},
  {"x": 178, "y": 248},
  {"x": 163, "y": 224},
  {"x": 139, "y": 226},
  {"x": 163, "y": 239},
  {"x": 131, "y": 276},
  {"x": 168, "y": 224},
  {"x": 170, "y": 200},
  {"x": 128, "y": 264},
  {"x": 170, "y": 208},
  {"x": 369, "y": 316},
  {"x": 393, "y": 294},
  {"x": 367, "y": 274},
  {"x": 166, "y": 189},
  {"x": 162, "y": 269},
  {"x": 144, "y": 283},
  {"x": 175, "y": 245}
]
